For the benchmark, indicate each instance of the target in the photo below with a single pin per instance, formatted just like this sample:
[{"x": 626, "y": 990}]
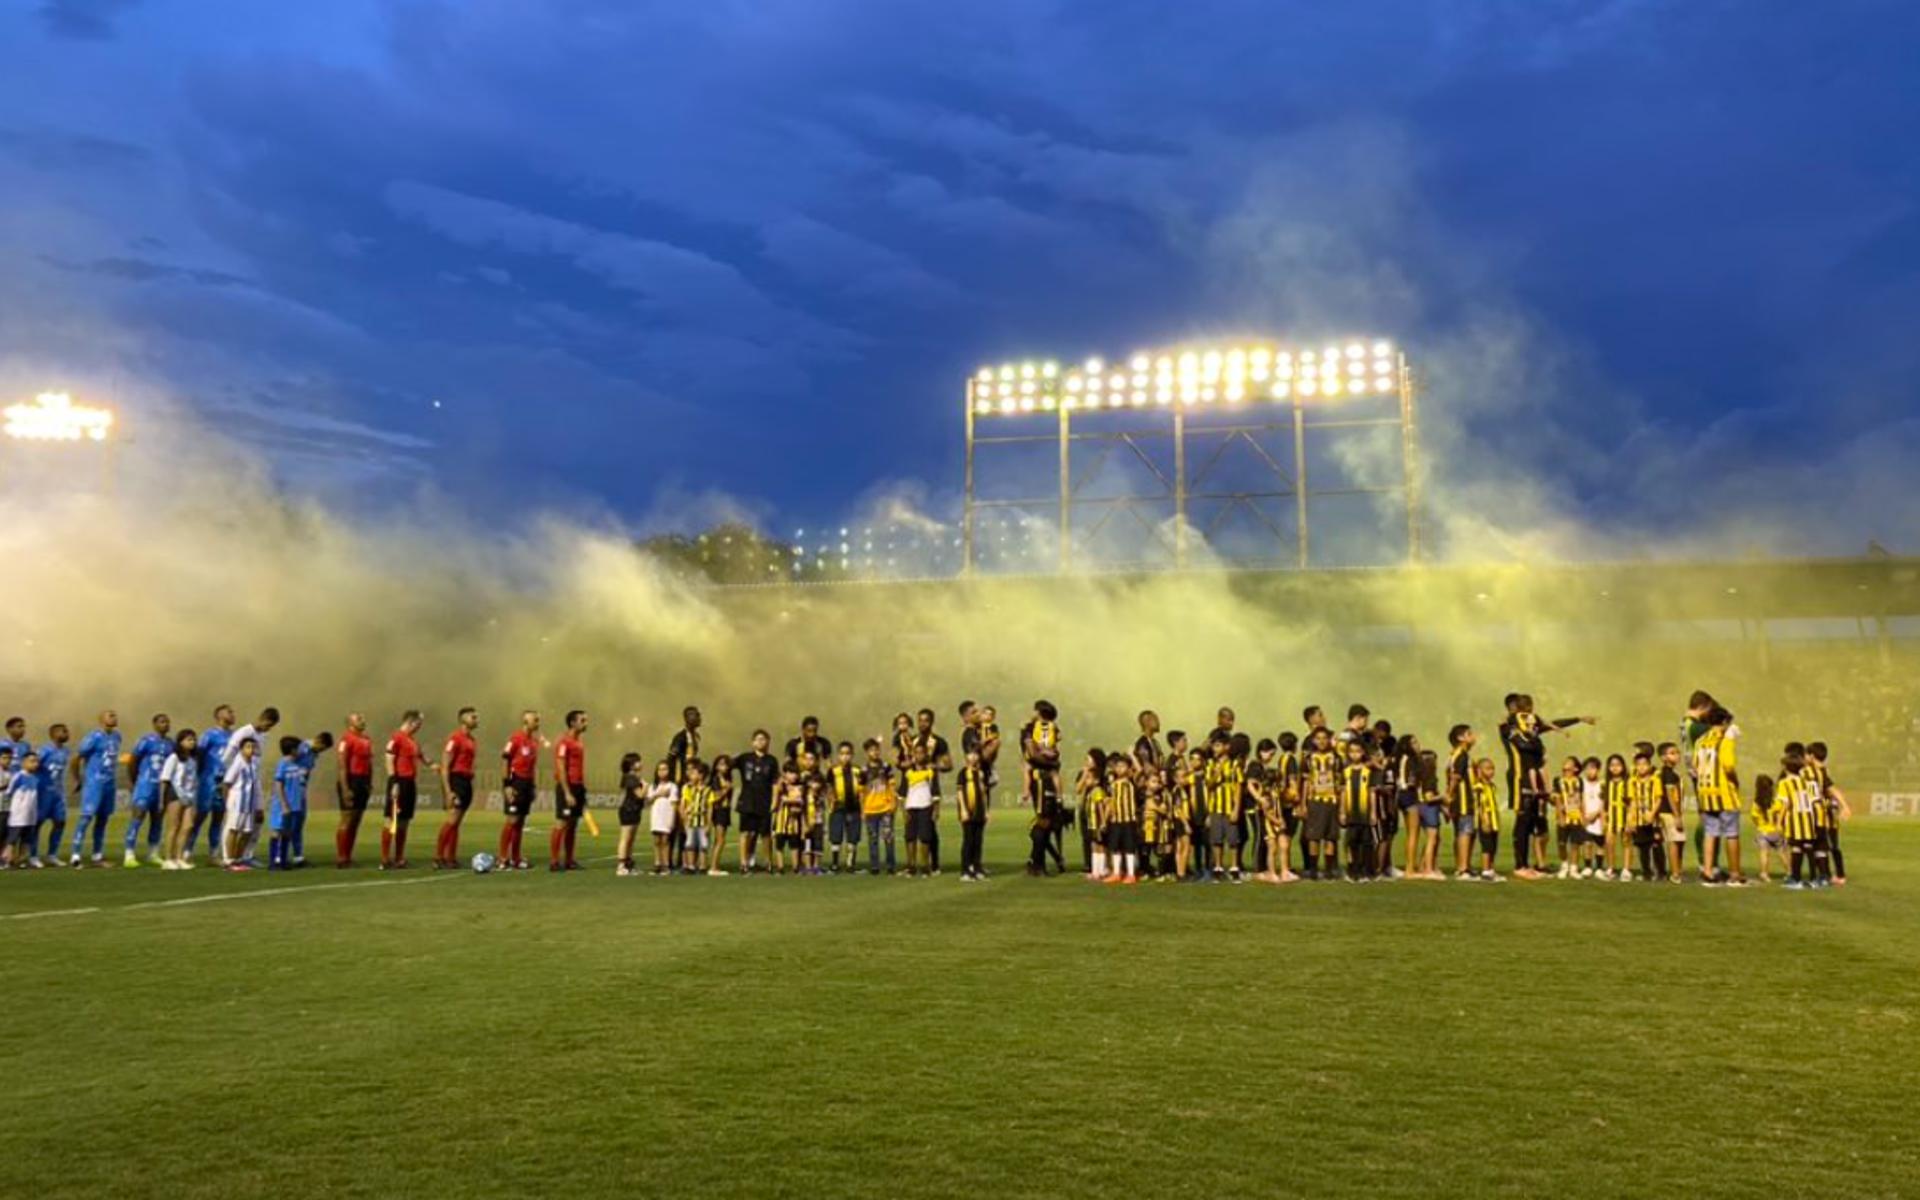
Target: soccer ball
[{"x": 482, "y": 863}]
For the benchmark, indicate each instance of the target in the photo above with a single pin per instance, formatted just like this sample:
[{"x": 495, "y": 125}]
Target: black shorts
[
  {"x": 519, "y": 798},
  {"x": 630, "y": 813},
  {"x": 721, "y": 817},
  {"x": 1531, "y": 816},
  {"x": 462, "y": 788},
  {"x": 1123, "y": 837},
  {"x": 920, "y": 825},
  {"x": 757, "y": 823},
  {"x": 359, "y": 792},
  {"x": 1289, "y": 821},
  {"x": 1323, "y": 821},
  {"x": 402, "y": 796},
  {"x": 787, "y": 841},
  {"x": 569, "y": 801},
  {"x": 1389, "y": 820}
]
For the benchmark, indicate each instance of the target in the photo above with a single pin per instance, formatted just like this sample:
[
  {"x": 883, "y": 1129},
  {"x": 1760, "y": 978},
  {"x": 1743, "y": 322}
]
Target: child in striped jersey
[
  {"x": 1764, "y": 811},
  {"x": 1616, "y": 827},
  {"x": 1566, "y": 812}
]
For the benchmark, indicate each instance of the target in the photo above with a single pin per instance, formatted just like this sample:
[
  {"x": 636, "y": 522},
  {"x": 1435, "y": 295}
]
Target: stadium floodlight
[
  {"x": 54, "y": 417},
  {"x": 1231, "y": 374}
]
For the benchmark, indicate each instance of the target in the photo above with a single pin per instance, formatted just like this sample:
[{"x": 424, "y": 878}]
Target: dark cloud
[
  {"x": 726, "y": 241},
  {"x": 82, "y": 20}
]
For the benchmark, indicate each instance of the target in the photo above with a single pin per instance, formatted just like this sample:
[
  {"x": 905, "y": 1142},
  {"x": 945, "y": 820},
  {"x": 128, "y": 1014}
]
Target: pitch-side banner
[{"x": 1893, "y": 804}]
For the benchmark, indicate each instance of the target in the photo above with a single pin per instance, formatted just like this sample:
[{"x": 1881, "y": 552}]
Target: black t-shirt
[
  {"x": 757, "y": 774},
  {"x": 817, "y": 745},
  {"x": 683, "y": 747}
]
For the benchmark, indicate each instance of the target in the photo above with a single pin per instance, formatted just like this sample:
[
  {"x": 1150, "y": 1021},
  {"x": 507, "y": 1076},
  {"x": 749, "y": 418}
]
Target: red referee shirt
[
  {"x": 522, "y": 753},
  {"x": 406, "y": 754},
  {"x": 570, "y": 756},
  {"x": 356, "y": 754},
  {"x": 459, "y": 753}
]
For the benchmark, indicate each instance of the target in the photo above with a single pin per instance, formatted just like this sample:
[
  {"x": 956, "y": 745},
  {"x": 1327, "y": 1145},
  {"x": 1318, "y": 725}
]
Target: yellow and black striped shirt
[
  {"x": 1643, "y": 801},
  {"x": 1566, "y": 799},
  {"x": 1485, "y": 806},
  {"x": 1095, "y": 810},
  {"x": 1460, "y": 772},
  {"x": 1225, "y": 778},
  {"x": 971, "y": 792},
  {"x": 845, "y": 782},
  {"x": 1123, "y": 805},
  {"x": 1356, "y": 794},
  {"x": 790, "y": 812},
  {"x": 1795, "y": 807},
  {"x": 696, "y": 805},
  {"x": 1715, "y": 759},
  {"x": 1323, "y": 776},
  {"x": 1615, "y": 790}
]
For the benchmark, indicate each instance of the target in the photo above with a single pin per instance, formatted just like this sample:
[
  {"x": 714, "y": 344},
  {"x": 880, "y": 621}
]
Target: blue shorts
[
  {"x": 1407, "y": 799},
  {"x": 97, "y": 798},
  {"x": 1430, "y": 816},
  {"x": 207, "y": 800},
  {"x": 53, "y": 804},
  {"x": 1720, "y": 824},
  {"x": 145, "y": 799},
  {"x": 1463, "y": 825}
]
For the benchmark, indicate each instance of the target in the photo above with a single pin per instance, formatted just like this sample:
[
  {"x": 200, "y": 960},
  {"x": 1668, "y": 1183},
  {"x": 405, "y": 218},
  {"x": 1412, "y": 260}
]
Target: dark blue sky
[{"x": 1652, "y": 257}]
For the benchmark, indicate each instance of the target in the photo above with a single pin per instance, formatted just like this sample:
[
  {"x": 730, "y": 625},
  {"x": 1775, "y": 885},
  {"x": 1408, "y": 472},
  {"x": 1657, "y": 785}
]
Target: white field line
[{"x": 217, "y": 897}]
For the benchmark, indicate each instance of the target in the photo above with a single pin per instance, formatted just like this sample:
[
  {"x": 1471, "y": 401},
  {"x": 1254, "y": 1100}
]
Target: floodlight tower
[
  {"x": 54, "y": 418},
  {"x": 1218, "y": 394}
]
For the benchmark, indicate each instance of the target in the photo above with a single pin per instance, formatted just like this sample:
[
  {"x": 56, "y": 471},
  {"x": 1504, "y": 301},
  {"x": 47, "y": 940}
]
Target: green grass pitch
[{"x": 353, "y": 1034}]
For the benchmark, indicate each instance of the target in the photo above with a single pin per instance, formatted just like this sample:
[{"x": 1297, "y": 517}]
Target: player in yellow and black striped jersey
[
  {"x": 1093, "y": 824},
  {"x": 1357, "y": 812},
  {"x": 1566, "y": 812},
  {"x": 1643, "y": 818},
  {"x": 1716, "y": 774},
  {"x": 1460, "y": 797},
  {"x": 1486, "y": 818},
  {"x": 1225, "y": 779},
  {"x": 1043, "y": 793},
  {"x": 1123, "y": 821},
  {"x": 1320, "y": 830},
  {"x": 1189, "y": 813},
  {"x": 1833, "y": 805},
  {"x": 789, "y": 819},
  {"x": 845, "y": 794},
  {"x": 1614, "y": 788},
  {"x": 1291, "y": 803},
  {"x": 696, "y": 814},
  {"x": 972, "y": 796},
  {"x": 1795, "y": 804},
  {"x": 1156, "y": 822}
]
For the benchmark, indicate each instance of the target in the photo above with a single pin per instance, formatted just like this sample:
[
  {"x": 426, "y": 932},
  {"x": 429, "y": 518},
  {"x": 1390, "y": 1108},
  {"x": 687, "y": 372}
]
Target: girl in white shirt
[
  {"x": 179, "y": 788},
  {"x": 663, "y": 803}
]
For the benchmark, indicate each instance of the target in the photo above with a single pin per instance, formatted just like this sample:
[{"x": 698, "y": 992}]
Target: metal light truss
[{"x": 1269, "y": 386}]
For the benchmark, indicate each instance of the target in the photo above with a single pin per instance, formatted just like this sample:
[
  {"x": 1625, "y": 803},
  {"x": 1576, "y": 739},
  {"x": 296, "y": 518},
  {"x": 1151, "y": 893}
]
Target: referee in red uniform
[
  {"x": 456, "y": 787},
  {"x": 521, "y": 757},
  {"x": 355, "y": 786},
  {"x": 403, "y": 791},
  {"x": 569, "y": 793}
]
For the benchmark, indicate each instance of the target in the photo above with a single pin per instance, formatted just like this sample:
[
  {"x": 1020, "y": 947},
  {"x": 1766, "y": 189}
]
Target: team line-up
[{"x": 1328, "y": 803}]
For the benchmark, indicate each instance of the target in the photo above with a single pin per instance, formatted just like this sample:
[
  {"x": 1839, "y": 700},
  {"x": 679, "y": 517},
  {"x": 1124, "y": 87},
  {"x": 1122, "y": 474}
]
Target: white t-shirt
[
  {"x": 23, "y": 800},
  {"x": 666, "y": 804},
  {"x": 920, "y": 793},
  {"x": 243, "y": 784},
  {"x": 1593, "y": 805},
  {"x": 184, "y": 776}
]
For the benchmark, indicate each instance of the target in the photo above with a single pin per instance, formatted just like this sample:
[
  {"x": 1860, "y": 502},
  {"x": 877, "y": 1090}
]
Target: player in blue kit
[
  {"x": 210, "y": 804},
  {"x": 287, "y": 815},
  {"x": 94, "y": 762},
  {"x": 54, "y": 757},
  {"x": 150, "y": 753},
  {"x": 16, "y": 740}
]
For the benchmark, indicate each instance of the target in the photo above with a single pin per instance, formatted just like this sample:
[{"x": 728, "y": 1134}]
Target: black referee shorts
[
  {"x": 519, "y": 798},
  {"x": 359, "y": 792},
  {"x": 569, "y": 800},
  {"x": 402, "y": 797},
  {"x": 462, "y": 788}
]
